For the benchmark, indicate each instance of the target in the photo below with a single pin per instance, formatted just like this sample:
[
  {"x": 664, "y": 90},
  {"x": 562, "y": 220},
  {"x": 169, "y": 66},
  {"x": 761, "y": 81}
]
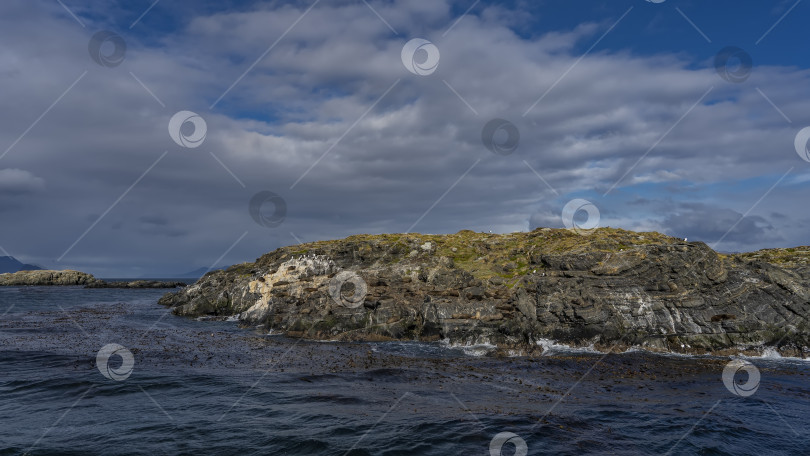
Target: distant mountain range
[{"x": 11, "y": 264}]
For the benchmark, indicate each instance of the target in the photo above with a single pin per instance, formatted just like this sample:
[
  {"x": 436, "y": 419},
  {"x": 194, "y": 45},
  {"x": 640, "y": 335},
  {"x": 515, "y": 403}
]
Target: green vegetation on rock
[{"x": 611, "y": 287}]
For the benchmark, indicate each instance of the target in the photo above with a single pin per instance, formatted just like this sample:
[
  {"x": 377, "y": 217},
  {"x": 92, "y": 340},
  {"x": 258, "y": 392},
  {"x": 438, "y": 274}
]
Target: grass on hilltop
[{"x": 487, "y": 255}]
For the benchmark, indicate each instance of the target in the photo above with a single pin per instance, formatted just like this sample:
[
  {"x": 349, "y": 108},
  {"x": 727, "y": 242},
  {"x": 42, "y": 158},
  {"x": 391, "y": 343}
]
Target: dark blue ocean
[{"x": 168, "y": 385}]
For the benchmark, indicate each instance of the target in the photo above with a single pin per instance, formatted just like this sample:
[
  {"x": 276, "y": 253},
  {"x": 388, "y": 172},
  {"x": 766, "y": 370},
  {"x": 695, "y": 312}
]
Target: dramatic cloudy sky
[{"x": 617, "y": 102}]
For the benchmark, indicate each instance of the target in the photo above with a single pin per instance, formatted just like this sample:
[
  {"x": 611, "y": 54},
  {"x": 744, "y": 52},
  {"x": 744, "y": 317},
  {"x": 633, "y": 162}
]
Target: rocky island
[
  {"x": 610, "y": 290},
  {"x": 69, "y": 277}
]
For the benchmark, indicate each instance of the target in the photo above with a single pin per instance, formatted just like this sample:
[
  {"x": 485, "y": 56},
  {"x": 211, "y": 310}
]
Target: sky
[{"x": 146, "y": 138}]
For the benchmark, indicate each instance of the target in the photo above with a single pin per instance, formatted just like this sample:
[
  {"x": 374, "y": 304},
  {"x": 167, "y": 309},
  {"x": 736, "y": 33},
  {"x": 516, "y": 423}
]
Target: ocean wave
[
  {"x": 470, "y": 349},
  {"x": 551, "y": 347},
  {"x": 771, "y": 354}
]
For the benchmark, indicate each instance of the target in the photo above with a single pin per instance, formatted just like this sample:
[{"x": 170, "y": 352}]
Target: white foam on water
[
  {"x": 551, "y": 346},
  {"x": 771, "y": 354},
  {"x": 642, "y": 349},
  {"x": 477, "y": 350},
  {"x": 671, "y": 354},
  {"x": 768, "y": 354},
  {"x": 469, "y": 349}
]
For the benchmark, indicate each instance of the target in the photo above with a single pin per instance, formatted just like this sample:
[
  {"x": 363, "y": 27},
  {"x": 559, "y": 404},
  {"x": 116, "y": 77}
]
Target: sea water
[{"x": 211, "y": 387}]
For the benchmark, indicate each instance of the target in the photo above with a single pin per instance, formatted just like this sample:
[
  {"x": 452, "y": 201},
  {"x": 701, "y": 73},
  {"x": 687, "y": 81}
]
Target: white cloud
[
  {"x": 396, "y": 161},
  {"x": 18, "y": 181}
]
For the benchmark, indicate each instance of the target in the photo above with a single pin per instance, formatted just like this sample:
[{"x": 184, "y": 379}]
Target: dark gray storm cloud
[{"x": 332, "y": 121}]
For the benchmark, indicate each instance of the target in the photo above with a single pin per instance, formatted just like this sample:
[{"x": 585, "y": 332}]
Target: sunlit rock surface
[{"x": 612, "y": 289}]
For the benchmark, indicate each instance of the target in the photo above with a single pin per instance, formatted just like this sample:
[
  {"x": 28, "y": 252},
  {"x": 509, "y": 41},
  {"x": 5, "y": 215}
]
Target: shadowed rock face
[{"x": 612, "y": 289}]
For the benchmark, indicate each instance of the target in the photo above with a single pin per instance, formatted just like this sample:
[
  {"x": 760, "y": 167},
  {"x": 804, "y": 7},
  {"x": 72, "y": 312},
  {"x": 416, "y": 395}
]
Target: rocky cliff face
[{"x": 613, "y": 289}]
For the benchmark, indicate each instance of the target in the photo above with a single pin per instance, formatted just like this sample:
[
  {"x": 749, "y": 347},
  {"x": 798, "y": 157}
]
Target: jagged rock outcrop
[
  {"x": 46, "y": 277},
  {"x": 612, "y": 289},
  {"x": 70, "y": 277}
]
